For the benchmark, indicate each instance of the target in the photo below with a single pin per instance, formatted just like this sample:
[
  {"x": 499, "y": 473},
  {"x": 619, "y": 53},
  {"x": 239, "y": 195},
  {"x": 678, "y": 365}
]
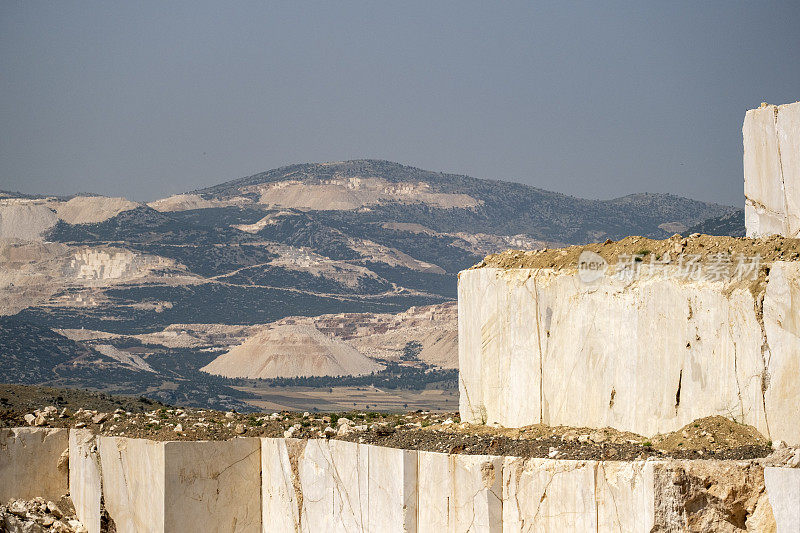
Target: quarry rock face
[
  {"x": 269, "y": 484},
  {"x": 460, "y": 493},
  {"x": 182, "y": 486},
  {"x": 321, "y": 485},
  {"x": 84, "y": 478},
  {"x": 772, "y": 170},
  {"x": 783, "y": 487},
  {"x": 646, "y": 355},
  {"x": 33, "y": 463}
]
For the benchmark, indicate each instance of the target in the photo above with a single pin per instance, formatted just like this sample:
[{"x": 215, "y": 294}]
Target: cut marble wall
[
  {"x": 33, "y": 463},
  {"x": 320, "y": 485},
  {"x": 213, "y": 486},
  {"x": 540, "y": 346},
  {"x": 84, "y": 478},
  {"x": 460, "y": 493},
  {"x": 281, "y": 493},
  {"x": 133, "y": 483},
  {"x": 783, "y": 490},
  {"x": 771, "y": 137},
  {"x": 182, "y": 486},
  {"x": 549, "y": 495},
  {"x": 357, "y": 487}
]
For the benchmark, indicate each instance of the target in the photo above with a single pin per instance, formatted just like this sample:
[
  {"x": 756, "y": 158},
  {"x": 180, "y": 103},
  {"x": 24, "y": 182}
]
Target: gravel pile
[{"x": 38, "y": 515}]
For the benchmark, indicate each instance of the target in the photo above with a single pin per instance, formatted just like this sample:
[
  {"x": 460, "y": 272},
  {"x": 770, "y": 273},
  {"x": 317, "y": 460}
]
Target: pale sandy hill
[
  {"x": 187, "y": 202},
  {"x": 25, "y": 222},
  {"x": 344, "y": 193},
  {"x": 291, "y": 351},
  {"x": 92, "y": 209}
]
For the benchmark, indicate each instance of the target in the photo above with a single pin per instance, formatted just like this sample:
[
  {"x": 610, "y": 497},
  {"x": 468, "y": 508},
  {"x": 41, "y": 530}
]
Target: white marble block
[
  {"x": 213, "y": 486},
  {"x": 182, "y": 486},
  {"x": 33, "y": 463},
  {"x": 84, "y": 478},
  {"x": 771, "y": 136},
  {"x": 133, "y": 483},
  {"x": 783, "y": 491},
  {"x": 357, "y": 487},
  {"x": 460, "y": 493},
  {"x": 548, "y": 496},
  {"x": 281, "y": 494},
  {"x": 647, "y": 355},
  {"x": 625, "y": 496}
]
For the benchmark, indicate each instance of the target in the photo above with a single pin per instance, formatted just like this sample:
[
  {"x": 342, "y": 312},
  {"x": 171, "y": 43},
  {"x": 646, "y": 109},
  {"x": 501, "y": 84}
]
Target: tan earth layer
[{"x": 773, "y": 248}]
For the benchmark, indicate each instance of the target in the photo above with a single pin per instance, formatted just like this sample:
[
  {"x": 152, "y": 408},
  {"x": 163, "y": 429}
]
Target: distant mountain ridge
[
  {"x": 504, "y": 207},
  {"x": 345, "y": 238}
]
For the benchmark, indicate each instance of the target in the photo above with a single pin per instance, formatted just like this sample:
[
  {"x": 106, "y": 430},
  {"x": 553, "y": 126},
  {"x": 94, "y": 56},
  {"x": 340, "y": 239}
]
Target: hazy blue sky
[{"x": 146, "y": 99}]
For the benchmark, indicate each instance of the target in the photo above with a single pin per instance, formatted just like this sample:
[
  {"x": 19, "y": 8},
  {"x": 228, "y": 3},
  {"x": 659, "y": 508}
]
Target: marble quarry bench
[
  {"x": 647, "y": 355},
  {"x": 277, "y": 485},
  {"x": 772, "y": 170},
  {"x": 33, "y": 462}
]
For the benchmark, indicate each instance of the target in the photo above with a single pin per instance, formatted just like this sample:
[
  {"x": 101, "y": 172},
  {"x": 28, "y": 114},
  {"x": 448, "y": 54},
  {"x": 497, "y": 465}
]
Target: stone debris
[{"x": 38, "y": 515}]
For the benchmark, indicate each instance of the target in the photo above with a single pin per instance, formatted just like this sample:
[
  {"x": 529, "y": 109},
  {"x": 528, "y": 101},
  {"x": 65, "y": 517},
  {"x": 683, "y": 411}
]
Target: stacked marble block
[
  {"x": 772, "y": 170},
  {"x": 277, "y": 485},
  {"x": 152, "y": 486},
  {"x": 33, "y": 462},
  {"x": 647, "y": 355}
]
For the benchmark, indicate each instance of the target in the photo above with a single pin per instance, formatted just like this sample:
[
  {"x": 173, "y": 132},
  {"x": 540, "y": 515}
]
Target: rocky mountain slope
[{"x": 158, "y": 291}]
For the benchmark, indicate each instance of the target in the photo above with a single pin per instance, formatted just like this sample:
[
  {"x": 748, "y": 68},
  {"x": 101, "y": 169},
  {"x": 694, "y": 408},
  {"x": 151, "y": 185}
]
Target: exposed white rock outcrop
[
  {"x": 647, "y": 355},
  {"x": 772, "y": 170},
  {"x": 33, "y": 462},
  {"x": 113, "y": 264}
]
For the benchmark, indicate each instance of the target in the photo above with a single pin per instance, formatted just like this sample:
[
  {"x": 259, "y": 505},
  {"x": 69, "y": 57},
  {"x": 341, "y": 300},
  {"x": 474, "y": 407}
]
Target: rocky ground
[
  {"x": 707, "y": 438},
  {"x": 38, "y": 515}
]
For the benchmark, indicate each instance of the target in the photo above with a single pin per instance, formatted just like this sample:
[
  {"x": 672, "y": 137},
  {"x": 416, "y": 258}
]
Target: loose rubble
[
  {"x": 38, "y": 515},
  {"x": 708, "y": 438}
]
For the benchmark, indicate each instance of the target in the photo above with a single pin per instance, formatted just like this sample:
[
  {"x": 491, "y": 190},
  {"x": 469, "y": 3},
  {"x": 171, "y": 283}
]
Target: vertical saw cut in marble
[
  {"x": 357, "y": 487},
  {"x": 460, "y": 493},
  {"x": 33, "y": 462},
  {"x": 647, "y": 355},
  {"x": 771, "y": 136},
  {"x": 84, "y": 478},
  {"x": 133, "y": 483},
  {"x": 281, "y": 494},
  {"x": 783, "y": 490},
  {"x": 182, "y": 486}
]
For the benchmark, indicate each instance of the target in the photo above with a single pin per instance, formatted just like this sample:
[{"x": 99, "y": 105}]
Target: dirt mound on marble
[
  {"x": 774, "y": 248},
  {"x": 711, "y": 432}
]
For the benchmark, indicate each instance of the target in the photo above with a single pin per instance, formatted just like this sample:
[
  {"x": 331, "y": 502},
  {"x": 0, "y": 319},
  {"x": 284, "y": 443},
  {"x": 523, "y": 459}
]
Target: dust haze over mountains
[{"x": 305, "y": 270}]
